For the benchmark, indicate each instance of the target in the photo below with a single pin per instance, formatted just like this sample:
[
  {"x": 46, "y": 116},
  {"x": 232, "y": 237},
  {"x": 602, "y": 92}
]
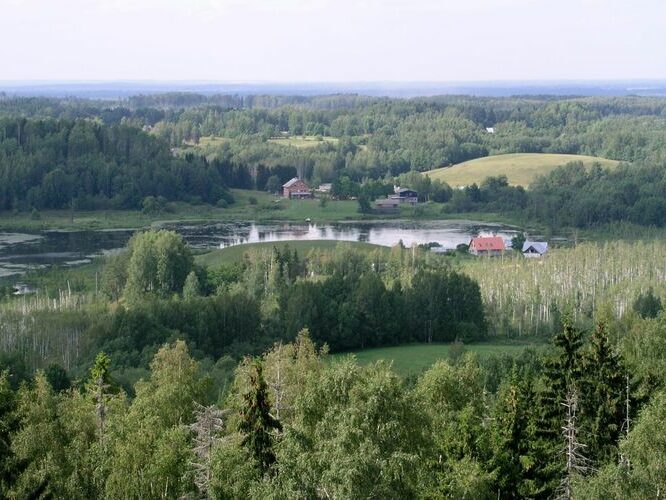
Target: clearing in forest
[
  {"x": 303, "y": 141},
  {"x": 414, "y": 358},
  {"x": 520, "y": 168}
]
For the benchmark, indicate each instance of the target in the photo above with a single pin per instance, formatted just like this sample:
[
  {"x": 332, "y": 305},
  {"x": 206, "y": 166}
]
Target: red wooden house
[
  {"x": 296, "y": 188},
  {"x": 486, "y": 245}
]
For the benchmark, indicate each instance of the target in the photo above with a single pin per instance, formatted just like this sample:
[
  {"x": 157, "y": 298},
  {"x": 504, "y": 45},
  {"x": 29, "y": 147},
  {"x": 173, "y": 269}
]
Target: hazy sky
[{"x": 331, "y": 40}]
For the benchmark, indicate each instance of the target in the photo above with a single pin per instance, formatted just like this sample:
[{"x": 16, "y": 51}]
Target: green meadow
[{"x": 413, "y": 359}]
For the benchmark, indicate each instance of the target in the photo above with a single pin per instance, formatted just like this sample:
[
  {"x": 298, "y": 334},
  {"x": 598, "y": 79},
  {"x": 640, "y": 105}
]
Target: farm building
[
  {"x": 404, "y": 195},
  {"x": 296, "y": 188},
  {"x": 487, "y": 245},
  {"x": 324, "y": 188},
  {"x": 534, "y": 248}
]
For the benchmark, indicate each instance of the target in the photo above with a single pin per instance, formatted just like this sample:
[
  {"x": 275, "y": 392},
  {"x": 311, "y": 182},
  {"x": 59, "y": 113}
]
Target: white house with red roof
[{"x": 487, "y": 245}]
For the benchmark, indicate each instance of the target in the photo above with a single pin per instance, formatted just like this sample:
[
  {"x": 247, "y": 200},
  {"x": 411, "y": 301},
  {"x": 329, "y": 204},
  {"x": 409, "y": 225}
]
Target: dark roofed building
[{"x": 405, "y": 195}]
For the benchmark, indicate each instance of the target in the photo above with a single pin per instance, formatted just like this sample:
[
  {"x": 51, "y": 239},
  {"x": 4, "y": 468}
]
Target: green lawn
[
  {"x": 412, "y": 359},
  {"x": 236, "y": 253},
  {"x": 520, "y": 168}
]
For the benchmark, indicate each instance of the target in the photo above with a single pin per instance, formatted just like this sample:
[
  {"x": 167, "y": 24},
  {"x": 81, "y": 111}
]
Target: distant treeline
[{"x": 57, "y": 153}]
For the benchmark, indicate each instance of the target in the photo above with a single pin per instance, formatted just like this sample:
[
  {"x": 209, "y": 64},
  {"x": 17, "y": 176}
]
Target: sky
[{"x": 331, "y": 40}]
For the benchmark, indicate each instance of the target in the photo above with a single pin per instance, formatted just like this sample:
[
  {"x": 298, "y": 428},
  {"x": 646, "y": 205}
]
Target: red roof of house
[{"x": 487, "y": 243}]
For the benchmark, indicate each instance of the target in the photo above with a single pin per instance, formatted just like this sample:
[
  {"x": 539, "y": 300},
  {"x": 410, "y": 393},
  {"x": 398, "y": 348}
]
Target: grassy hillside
[
  {"x": 412, "y": 359},
  {"x": 236, "y": 253},
  {"x": 520, "y": 168}
]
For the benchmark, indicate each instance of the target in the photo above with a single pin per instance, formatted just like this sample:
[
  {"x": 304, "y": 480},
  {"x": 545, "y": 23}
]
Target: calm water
[{"x": 20, "y": 252}]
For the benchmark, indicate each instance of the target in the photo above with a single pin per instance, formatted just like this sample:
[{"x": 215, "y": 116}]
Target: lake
[{"x": 20, "y": 252}]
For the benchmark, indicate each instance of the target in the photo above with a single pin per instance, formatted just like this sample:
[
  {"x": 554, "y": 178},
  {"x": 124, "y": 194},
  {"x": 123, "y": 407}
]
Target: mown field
[
  {"x": 235, "y": 253},
  {"x": 520, "y": 168},
  {"x": 303, "y": 141},
  {"x": 412, "y": 359}
]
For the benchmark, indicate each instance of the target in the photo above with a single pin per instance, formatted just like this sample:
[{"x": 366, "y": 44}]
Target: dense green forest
[
  {"x": 139, "y": 391},
  {"x": 97, "y": 155},
  {"x": 61, "y": 163},
  {"x": 584, "y": 419}
]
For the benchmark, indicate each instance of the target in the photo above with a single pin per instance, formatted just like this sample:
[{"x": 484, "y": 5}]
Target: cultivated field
[{"x": 520, "y": 168}]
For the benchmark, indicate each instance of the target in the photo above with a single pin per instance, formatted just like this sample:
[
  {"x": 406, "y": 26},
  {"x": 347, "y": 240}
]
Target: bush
[
  {"x": 364, "y": 206},
  {"x": 647, "y": 305},
  {"x": 252, "y": 200},
  {"x": 152, "y": 205},
  {"x": 222, "y": 203}
]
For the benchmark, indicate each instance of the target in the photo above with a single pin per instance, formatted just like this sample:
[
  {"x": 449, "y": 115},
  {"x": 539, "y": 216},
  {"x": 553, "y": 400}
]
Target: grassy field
[
  {"x": 248, "y": 206},
  {"x": 303, "y": 141},
  {"x": 520, "y": 168},
  {"x": 412, "y": 359},
  {"x": 236, "y": 253}
]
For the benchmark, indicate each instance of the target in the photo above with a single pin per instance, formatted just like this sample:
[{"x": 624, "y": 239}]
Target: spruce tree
[
  {"x": 562, "y": 374},
  {"x": 603, "y": 402},
  {"x": 257, "y": 424}
]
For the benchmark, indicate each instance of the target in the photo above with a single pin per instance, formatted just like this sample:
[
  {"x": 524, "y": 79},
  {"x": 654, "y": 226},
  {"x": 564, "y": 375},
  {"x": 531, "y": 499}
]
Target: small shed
[
  {"x": 487, "y": 245},
  {"x": 534, "y": 248},
  {"x": 296, "y": 188}
]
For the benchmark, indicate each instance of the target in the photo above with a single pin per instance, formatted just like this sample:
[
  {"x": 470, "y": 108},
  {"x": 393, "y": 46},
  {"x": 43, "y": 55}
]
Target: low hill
[
  {"x": 520, "y": 168},
  {"x": 235, "y": 253}
]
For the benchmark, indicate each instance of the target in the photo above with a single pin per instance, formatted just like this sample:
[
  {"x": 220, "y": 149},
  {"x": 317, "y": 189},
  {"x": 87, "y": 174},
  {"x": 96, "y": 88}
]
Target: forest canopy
[{"x": 85, "y": 154}]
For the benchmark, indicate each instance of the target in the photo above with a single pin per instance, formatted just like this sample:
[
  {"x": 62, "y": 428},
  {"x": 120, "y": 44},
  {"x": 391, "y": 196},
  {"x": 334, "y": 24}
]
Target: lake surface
[{"x": 20, "y": 252}]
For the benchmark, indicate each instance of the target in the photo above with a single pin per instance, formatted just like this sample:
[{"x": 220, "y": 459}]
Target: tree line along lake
[{"x": 20, "y": 252}]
